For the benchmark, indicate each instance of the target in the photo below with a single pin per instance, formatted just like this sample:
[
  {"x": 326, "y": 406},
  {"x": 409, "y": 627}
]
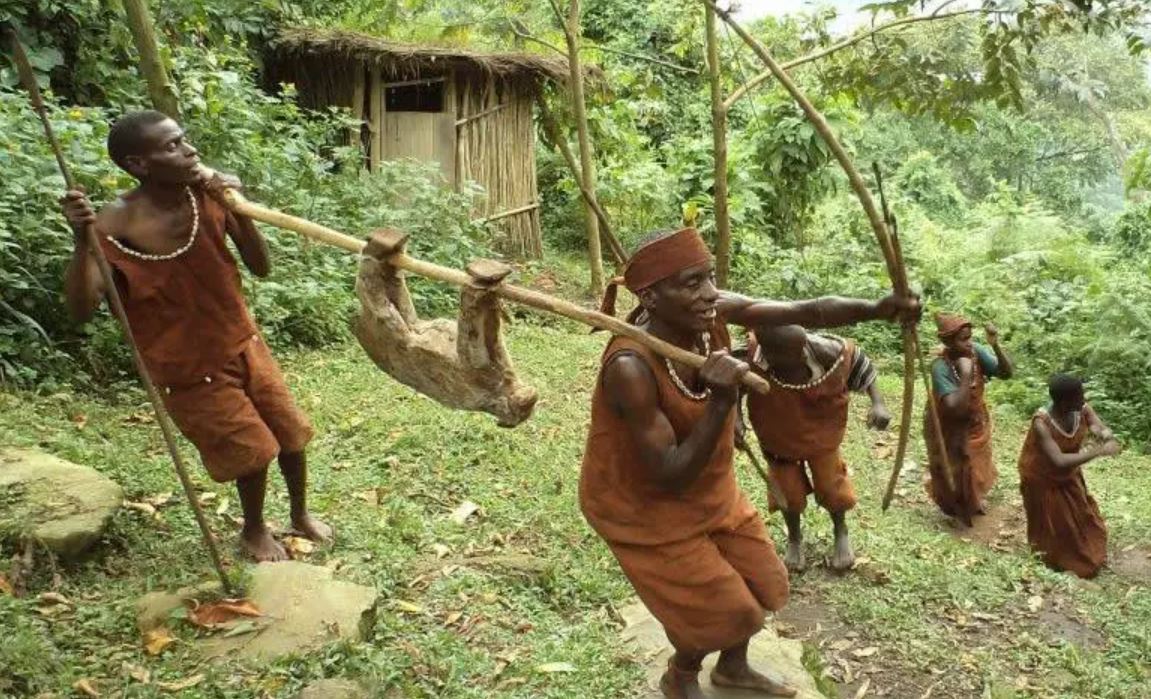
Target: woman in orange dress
[
  {"x": 959, "y": 376},
  {"x": 1064, "y": 525}
]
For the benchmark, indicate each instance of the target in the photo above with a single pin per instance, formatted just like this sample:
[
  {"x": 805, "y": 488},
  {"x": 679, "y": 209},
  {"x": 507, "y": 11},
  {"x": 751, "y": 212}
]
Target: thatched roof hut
[{"x": 469, "y": 111}]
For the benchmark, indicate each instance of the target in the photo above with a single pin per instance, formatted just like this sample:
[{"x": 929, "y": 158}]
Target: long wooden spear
[
  {"x": 28, "y": 78},
  {"x": 896, "y": 270},
  {"x": 518, "y": 294}
]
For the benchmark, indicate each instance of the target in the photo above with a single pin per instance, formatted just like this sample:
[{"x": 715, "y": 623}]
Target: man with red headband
[
  {"x": 657, "y": 481},
  {"x": 958, "y": 376}
]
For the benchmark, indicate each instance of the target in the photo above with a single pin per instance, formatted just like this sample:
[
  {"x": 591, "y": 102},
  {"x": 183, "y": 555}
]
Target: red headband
[
  {"x": 665, "y": 257},
  {"x": 656, "y": 261}
]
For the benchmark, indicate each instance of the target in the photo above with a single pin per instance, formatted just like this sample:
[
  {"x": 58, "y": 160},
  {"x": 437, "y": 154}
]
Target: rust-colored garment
[
  {"x": 1064, "y": 525},
  {"x": 188, "y": 313},
  {"x": 241, "y": 419},
  {"x": 968, "y": 448},
  {"x": 700, "y": 560},
  {"x": 202, "y": 348},
  {"x": 801, "y": 429}
]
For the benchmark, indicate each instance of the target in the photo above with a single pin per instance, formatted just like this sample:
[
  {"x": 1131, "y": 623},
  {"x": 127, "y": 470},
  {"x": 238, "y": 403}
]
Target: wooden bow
[{"x": 888, "y": 243}]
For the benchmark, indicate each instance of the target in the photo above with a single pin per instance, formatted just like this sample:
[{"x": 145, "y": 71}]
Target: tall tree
[
  {"x": 571, "y": 27},
  {"x": 719, "y": 147},
  {"x": 160, "y": 89}
]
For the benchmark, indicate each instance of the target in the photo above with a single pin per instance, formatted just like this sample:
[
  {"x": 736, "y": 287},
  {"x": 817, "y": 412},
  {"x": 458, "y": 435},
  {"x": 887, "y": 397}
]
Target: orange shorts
[
  {"x": 829, "y": 481},
  {"x": 241, "y": 417},
  {"x": 709, "y": 592}
]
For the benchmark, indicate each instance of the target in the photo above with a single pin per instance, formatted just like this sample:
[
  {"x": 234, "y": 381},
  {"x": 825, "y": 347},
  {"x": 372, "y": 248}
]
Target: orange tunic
[
  {"x": 187, "y": 313},
  {"x": 699, "y": 559},
  {"x": 805, "y": 426},
  {"x": 1064, "y": 525},
  {"x": 968, "y": 443},
  {"x": 218, "y": 380}
]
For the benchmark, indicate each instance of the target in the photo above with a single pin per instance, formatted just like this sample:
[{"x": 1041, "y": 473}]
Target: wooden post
[
  {"x": 160, "y": 90},
  {"x": 356, "y": 132},
  {"x": 587, "y": 163},
  {"x": 375, "y": 118},
  {"x": 719, "y": 148}
]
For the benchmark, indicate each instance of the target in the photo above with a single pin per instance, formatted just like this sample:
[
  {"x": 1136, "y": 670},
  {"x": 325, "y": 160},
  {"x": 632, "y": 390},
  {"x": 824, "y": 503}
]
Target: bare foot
[
  {"x": 311, "y": 528},
  {"x": 842, "y": 558},
  {"x": 746, "y": 678},
  {"x": 794, "y": 558},
  {"x": 680, "y": 684},
  {"x": 259, "y": 544}
]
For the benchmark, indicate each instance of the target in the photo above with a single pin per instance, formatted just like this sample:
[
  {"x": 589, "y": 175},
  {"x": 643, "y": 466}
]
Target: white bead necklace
[
  {"x": 955, "y": 374},
  {"x": 172, "y": 255},
  {"x": 679, "y": 384},
  {"x": 801, "y": 386}
]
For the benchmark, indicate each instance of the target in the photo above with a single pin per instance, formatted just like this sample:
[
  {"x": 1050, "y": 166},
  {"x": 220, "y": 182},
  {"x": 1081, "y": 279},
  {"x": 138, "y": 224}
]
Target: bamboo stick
[
  {"x": 509, "y": 212},
  {"x": 525, "y": 297},
  {"x": 355, "y": 132},
  {"x": 468, "y": 119},
  {"x": 376, "y": 120}
]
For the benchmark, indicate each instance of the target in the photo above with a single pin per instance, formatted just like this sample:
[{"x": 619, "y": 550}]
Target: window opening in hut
[{"x": 417, "y": 97}]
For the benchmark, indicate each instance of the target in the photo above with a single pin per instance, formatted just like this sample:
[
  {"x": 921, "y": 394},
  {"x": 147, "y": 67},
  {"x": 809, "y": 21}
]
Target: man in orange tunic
[
  {"x": 959, "y": 376},
  {"x": 657, "y": 481},
  {"x": 166, "y": 243},
  {"x": 802, "y": 422},
  {"x": 1064, "y": 526}
]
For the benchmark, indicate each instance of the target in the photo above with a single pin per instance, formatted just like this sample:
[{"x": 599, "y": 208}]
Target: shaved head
[{"x": 782, "y": 344}]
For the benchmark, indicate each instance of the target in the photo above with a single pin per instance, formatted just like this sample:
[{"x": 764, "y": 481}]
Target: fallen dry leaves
[
  {"x": 212, "y": 614},
  {"x": 157, "y": 639},
  {"x": 84, "y": 686},
  {"x": 180, "y": 685}
]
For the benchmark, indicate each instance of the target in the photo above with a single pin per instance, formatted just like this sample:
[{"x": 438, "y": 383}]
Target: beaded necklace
[
  {"x": 1076, "y": 416},
  {"x": 679, "y": 384},
  {"x": 955, "y": 374},
  {"x": 172, "y": 255},
  {"x": 803, "y": 386}
]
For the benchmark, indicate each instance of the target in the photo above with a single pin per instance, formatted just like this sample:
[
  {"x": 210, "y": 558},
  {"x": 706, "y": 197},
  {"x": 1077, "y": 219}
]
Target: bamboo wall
[{"x": 498, "y": 152}]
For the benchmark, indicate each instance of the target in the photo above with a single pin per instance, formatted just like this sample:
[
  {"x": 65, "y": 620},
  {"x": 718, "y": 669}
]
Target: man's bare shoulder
[{"x": 118, "y": 217}]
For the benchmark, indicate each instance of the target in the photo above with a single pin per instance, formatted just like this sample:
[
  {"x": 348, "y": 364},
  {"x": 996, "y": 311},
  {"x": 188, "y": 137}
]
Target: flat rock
[
  {"x": 333, "y": 689},
  {"x": 768, "y": 653},
  {"x": 303, "y": 608},
  {"x": 63, "y": 505}
]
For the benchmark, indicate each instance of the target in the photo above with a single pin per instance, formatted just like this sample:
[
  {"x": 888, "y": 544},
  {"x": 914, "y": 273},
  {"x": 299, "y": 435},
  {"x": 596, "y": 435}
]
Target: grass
[{"x": 389, "y": 466}]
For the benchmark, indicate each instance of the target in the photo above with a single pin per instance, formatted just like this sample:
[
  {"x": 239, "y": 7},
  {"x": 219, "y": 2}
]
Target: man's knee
[{"x": 777, "y": 595}]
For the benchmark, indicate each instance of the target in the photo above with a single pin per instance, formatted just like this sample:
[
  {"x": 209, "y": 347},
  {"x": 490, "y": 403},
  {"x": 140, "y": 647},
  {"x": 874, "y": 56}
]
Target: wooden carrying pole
[
  {"x": 517, "y": 294},
  {"x": 28, "y": 78}
]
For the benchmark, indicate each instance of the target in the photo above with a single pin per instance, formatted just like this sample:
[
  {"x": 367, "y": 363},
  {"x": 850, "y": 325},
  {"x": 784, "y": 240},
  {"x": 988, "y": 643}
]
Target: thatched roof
[{"x": 396, "y": 57}]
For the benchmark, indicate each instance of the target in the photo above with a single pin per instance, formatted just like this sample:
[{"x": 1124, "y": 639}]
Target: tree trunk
[
  {"x": 160, "y": 89},
  {"x": 587, "y": 164},
  {"x": 719, "y": 147}
]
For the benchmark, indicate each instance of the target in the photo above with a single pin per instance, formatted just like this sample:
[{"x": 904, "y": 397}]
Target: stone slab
[
  {"x": 64, "y": 506},
  {"x": 768, "y": 653},
  {"x": 333, "y": 689},
  {"x": 303, "y": 608}
]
